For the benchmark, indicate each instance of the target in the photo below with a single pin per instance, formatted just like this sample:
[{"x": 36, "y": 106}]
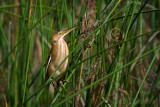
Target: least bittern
[{"x": 57, "y": 54}]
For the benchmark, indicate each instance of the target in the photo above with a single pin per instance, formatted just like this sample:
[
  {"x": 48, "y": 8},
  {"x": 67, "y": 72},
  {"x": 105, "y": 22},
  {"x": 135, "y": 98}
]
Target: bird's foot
[
  {"x": 54, "y": 83},
  {"x": 66, "y": 81},
  {"x": 61, "y": 85}
]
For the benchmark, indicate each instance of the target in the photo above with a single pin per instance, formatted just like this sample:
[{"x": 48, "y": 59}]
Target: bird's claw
[
  {"x": 54, "y": 83},
  {"x": 61, "y": 85},
  {"x": 66, "y": 81}
]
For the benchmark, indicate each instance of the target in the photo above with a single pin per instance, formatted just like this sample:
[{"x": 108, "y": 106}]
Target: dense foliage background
[{"x": 114, "y": 55}]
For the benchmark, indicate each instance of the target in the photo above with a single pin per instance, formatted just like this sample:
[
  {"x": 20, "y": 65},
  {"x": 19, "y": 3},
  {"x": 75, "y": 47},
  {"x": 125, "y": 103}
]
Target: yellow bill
[{"x": 64, "y": 33}]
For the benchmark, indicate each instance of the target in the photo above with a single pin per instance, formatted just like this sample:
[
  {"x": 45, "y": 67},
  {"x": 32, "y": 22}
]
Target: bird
[{"x": 59, "y": 51}]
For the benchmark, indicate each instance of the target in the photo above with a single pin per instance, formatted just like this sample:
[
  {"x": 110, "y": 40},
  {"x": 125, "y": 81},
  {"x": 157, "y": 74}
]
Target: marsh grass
[{"x": 113, "y": 54}]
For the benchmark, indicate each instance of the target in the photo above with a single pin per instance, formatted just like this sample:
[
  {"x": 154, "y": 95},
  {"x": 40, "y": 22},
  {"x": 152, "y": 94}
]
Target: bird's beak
[{"x": 64, "y": 33}]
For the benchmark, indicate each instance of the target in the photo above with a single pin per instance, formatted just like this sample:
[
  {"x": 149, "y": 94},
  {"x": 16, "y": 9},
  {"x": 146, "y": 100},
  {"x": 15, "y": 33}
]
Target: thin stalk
[
  {"x": 26, "y": 77},
  {"x": 133, "y": 104},
  {"x": 120, "y": 55},
  {"x": 105, "y": 77}
]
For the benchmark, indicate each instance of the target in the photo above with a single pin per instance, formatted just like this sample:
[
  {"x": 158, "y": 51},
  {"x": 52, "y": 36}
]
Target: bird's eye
[{"x": 60, "y": 33}]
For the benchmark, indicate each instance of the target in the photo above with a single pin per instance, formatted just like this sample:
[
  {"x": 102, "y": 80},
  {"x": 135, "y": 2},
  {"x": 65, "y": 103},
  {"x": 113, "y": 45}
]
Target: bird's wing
[
  {"x": 48, "y": 62},
  {"x": 47, "y": 75}
]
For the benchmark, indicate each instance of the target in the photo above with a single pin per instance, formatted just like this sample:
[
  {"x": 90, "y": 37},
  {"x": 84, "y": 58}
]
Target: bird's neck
[
  {"x": 59, "y": 50},
  {"x": 57, "y": 45}
]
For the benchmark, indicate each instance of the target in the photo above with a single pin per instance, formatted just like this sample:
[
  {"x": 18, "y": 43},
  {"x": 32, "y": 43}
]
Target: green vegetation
[{"x": 114, "y": 54}]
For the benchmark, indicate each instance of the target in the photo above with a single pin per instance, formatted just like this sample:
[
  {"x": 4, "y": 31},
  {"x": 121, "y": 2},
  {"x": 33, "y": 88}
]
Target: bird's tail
[{"x": 46, "y": 78}]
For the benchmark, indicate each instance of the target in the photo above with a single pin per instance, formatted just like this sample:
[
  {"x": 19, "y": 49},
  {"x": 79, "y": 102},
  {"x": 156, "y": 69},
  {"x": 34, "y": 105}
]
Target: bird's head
[{"x": 61, "y": 34}]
